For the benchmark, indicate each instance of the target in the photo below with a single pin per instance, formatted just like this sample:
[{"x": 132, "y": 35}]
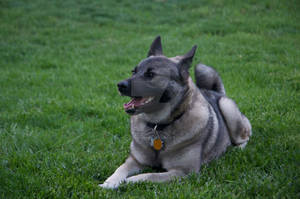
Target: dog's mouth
[{"x": 137, "y": 102}]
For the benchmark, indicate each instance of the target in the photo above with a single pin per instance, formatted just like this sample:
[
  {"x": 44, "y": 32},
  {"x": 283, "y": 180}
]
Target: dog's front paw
[{"x": 110, "y": 185}]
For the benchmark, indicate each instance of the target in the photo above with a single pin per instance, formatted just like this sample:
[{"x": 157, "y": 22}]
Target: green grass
[{"x": 62, "y": 127}]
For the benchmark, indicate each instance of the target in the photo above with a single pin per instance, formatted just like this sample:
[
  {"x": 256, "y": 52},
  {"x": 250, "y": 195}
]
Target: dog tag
[{"x": 157, "y": 144}]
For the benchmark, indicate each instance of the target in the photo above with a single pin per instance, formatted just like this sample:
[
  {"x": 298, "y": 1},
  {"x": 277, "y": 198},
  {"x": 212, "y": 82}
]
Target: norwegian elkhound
[{"x": 175, "y": 124}]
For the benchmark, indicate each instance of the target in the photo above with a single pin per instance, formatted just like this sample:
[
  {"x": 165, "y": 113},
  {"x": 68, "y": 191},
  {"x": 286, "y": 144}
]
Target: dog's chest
[
  {"x": 151, "y": 138},
  {"x": 160, "y": 142},
  {"x": 174, "y": 138}
]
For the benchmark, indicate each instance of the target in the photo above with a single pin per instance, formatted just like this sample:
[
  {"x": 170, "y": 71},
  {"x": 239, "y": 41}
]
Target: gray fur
[
  {"x": 209, "y": 121},
  {"x": 208, "y": 78}
]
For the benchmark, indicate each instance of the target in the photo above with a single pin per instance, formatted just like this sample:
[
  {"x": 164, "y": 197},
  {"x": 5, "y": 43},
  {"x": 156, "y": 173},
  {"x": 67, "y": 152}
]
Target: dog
[{"x": 176, "y": 125}]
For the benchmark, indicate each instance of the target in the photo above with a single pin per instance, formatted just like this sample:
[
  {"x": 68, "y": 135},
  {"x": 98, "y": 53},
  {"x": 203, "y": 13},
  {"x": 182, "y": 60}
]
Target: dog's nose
[{"x": 123, "y": 85}]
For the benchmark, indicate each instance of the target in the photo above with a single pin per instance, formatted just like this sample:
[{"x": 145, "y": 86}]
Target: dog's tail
[{"x": 208, "y": 78}]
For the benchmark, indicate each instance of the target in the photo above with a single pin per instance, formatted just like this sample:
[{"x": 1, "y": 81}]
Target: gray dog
[{"x": 175, "y": 124}]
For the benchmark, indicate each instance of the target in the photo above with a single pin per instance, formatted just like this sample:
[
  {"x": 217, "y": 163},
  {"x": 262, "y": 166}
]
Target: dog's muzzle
[{"x": 124, "y": 87}]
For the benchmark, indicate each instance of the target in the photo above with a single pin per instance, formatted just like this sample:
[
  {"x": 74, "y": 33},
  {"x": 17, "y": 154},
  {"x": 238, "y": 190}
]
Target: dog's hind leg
[
  {"x": 208, "y": 78},
  {"x": 238, "y": 125}
]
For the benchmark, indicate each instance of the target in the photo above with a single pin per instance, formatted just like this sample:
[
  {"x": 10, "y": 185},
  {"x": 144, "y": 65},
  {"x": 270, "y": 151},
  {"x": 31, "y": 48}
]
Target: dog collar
[
  {"x": 160, "y": 127},
  {"x": 156, "y": 142}
]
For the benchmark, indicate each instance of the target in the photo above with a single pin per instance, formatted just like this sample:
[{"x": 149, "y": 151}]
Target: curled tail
[{"x": 208, "y": 78}]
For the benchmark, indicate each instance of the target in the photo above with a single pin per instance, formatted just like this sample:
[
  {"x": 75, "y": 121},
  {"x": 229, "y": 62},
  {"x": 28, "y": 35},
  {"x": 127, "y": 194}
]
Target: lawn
[{"x": 62, "y": 125}]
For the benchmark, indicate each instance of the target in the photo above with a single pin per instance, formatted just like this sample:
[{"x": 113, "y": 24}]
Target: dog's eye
[{"x": 149, "y": 73}]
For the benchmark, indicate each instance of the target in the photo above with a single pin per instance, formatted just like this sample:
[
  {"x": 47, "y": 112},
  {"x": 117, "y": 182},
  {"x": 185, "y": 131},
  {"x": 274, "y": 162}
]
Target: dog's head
[{"x": 157, "y": 82}]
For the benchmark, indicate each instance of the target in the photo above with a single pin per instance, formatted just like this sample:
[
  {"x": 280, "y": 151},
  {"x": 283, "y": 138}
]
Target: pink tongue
[{"x": 133, "y": 102}]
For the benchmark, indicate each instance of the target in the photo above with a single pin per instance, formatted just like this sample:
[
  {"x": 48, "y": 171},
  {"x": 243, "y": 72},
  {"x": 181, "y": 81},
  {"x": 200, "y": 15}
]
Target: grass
[{"x": 62, "y": 127}]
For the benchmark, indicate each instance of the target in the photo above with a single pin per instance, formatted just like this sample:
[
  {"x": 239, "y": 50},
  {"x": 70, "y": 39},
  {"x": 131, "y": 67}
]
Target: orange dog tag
[{"x": 157, "y": 144}]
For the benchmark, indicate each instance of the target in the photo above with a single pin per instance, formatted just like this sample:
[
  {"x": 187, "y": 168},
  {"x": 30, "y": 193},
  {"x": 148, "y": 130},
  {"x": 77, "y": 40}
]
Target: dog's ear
[
  {"x": 185, "y": 63},
  {"x": 155, "y": 48}
]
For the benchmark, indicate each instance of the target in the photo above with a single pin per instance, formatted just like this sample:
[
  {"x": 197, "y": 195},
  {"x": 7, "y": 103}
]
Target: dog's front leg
[
  {"x": 156, "y": 177},
  {"x": 128, "y": 168}
]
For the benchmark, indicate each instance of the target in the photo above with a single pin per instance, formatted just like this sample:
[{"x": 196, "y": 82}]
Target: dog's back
[{"x": 211, "y": 86}]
